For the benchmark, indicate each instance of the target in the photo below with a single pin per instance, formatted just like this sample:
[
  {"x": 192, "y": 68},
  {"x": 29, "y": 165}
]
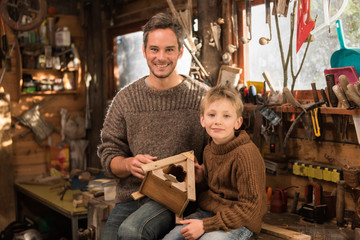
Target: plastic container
[
  {"x": 43, "y": 33},
  {"x": 62, "y": 37},
  {"x": 110, "y": 191},
  {"x": 258, "y": 85}
]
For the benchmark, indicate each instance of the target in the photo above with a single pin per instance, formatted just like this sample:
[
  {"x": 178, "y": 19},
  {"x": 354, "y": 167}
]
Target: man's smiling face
[{"x": 162, "y": 52}]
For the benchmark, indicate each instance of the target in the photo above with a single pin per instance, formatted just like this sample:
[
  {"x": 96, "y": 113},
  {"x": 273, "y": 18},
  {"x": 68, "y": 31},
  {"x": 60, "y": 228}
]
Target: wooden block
[
  {"x": 137, "y": 195},
  {"x": 87, "y": 196},
  {"x": 283, "y": 233},
  {"x": 189, "y": 155},
  {"x": 191, "y": 181},
  {"x": 164, "y": 162},
  {"x": 178, "y": 219}
]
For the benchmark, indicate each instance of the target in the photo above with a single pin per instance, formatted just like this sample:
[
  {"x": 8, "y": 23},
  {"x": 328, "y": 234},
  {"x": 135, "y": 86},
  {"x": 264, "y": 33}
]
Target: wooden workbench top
[{"x": 48, "y": 195}]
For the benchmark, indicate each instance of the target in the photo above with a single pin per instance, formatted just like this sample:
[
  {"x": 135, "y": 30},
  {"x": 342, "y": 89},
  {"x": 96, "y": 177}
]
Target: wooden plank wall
[
  {"x": 333, "y": 151},
  {"x": 6, "y": 149},
  {"x": 28, "y": 157}
]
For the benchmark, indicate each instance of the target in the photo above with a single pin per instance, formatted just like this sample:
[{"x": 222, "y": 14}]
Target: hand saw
[{"x": 305, "y": 23}]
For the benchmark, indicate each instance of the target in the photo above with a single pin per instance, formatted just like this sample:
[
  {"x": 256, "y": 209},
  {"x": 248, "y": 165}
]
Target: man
[{"x": 152, "y": 118}]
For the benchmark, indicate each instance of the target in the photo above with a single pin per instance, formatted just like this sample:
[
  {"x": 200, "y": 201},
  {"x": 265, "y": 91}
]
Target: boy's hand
[
  {"x": 193, "y": 230},
  {"x": 199, "y": 172}
]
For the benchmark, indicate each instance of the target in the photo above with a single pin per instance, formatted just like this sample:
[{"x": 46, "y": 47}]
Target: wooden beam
[
  {"x": 163, "y": 162},
  {"x": 283, "y": 233},
  {"x": 191, "y": 192}
]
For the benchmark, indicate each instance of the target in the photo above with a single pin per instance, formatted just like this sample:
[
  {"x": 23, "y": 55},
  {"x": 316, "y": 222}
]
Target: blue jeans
[
  {"x": 143, "y": 219},
  {"x": 236, "y": 234}
]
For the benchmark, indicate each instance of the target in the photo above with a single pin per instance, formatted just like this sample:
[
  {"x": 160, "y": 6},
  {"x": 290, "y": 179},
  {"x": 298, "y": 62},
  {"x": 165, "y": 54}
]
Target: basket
[{"x": 351, "y": 177}]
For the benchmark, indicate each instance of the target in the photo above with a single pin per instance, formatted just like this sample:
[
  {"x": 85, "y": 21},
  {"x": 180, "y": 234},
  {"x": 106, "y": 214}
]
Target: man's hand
[
  {"x": 124, "y": 167},
  {"x": 193, "y": 230},
  {"x": 135, "y": 163}
]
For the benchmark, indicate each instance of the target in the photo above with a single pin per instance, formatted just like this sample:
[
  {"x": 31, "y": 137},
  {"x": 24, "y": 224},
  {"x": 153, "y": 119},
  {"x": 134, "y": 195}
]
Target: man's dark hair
[{"x": 164, "y": 21}]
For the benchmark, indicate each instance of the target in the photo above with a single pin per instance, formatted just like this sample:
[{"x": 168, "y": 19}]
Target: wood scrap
[{"x": 283, "y": 233}]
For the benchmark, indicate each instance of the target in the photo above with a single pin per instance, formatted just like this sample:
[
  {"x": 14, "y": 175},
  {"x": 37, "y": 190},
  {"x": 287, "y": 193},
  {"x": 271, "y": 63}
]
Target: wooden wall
[
  {"x": 29, "y": 158},
  {"x": 333, "y": 150}
]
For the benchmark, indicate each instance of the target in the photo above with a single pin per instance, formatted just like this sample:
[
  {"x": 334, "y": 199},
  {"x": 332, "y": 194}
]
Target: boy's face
[
  {"x": 220, "y": 121},
  {"x": 162, "y": 52}
]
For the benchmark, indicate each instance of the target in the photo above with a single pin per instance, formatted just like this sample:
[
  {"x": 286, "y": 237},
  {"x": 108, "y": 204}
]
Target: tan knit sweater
[
  {"x": 236, "y": 179},
  {"x": 141, "y": 120}
]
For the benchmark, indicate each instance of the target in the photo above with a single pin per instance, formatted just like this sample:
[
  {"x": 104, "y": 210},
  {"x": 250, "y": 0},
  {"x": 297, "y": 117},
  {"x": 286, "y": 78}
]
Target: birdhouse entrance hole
[{"x": 177, "y": 171}]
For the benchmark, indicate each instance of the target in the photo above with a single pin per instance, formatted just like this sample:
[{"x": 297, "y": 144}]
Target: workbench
[{"x": 48, "y": 196}]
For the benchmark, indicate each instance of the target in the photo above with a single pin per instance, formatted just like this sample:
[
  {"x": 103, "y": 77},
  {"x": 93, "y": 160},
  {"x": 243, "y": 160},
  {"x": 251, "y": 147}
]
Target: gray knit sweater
[{"x": 142, "y": 120}]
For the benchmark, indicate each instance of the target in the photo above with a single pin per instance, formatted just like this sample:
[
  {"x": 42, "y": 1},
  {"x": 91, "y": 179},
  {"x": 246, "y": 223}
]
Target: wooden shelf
[
  {"x": 36, "y": 70},
  {"x": 65, "y": 92},
  {"x": 290, "y": 109}
]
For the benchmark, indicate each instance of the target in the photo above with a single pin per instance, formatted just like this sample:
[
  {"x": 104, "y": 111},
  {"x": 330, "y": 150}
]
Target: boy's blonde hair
[{"x": 223, "y": 92}]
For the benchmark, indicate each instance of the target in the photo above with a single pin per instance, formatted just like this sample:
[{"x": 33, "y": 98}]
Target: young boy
[{"x": 234, "y": 203}]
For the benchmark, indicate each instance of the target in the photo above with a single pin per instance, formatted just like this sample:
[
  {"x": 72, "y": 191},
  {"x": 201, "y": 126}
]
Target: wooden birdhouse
[{"x": 170, "y": 181}]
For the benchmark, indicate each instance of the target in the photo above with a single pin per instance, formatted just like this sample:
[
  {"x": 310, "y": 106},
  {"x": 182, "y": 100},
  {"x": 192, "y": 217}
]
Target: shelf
[
  {"x": 291, "y": 109},
  {"x": 65, "y": 92},
  {"x": 45, "y": 70}
]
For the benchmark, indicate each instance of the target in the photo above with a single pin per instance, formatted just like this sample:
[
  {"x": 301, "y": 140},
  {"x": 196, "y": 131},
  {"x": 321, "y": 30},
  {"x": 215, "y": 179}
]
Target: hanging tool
[
  {"x": 3, "y": 36},
  {"x": 281, "y": 7},
  {"x": 296, "y": 93},
  {"x": 245, "y": 40},
  {"x": 304, "y": 26},
  {"x": 291, "y": 99},
  {"x": 264, "y": 40},
  {"x": 234, "y": 19},
  {"x": 325, "y": 98},
  {"x": 204, "y": 74},
  {"x": 315, "y": 105},
  {"x": 344, "y": 121},
  {"x": 340, "y": 94},
  {"x": 315, "y": 118},
  {"x": 315, "y": 114},
  {"x": 14, "y": 13},
  {"x": 269, "y": 82},
  {"x": 357, "y": 87},
  {"x": 330, "y": 82},
  {"x": 306, "y": 121},
  {"x": 272, "y": 139},
  {"x": 351, "y": 95},
  {"x": 33, "y": 119}
]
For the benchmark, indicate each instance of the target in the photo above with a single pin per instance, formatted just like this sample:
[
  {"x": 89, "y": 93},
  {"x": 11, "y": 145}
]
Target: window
[
  {"x": 267, "y": 57},
  {"x": 130, "y": 63}
]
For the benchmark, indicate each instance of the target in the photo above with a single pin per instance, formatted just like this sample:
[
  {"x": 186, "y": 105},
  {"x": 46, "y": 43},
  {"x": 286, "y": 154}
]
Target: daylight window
[{"x": 267, "y": 57}]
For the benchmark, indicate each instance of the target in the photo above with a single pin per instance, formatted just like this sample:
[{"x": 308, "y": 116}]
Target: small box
[
  {"x": 312, "y": 213},
  {"x": 350, "y": 72},
  {"x": 99, "y": 184}
]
